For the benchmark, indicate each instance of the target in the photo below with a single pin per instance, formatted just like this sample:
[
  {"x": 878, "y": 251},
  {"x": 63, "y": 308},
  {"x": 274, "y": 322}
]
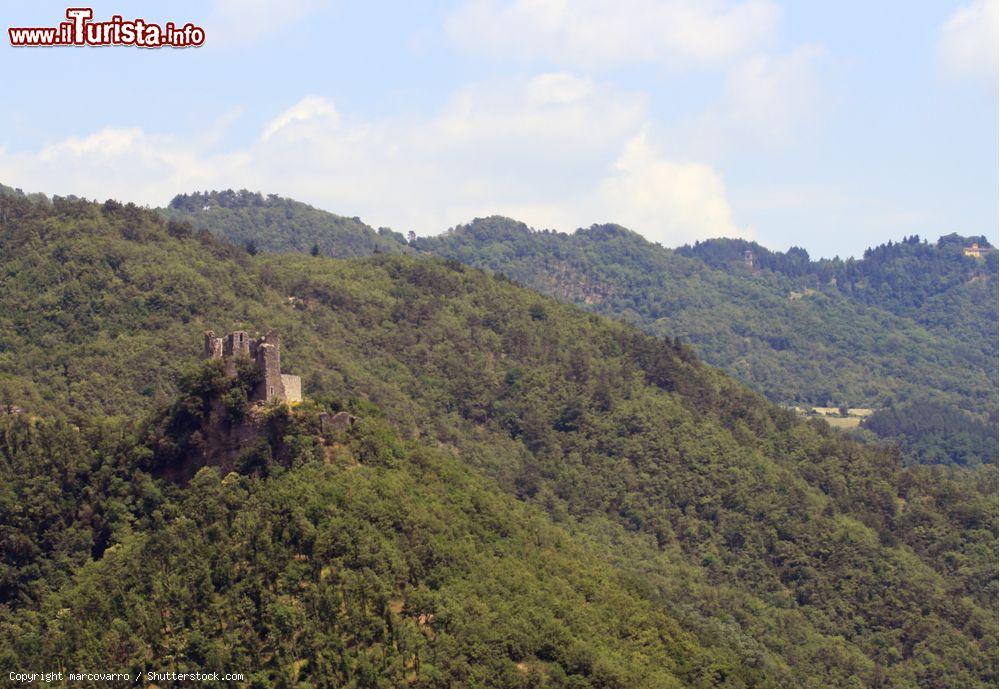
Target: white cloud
[
  {"x": 674, "y": 202},
  {"x": 968, "y": 44},
  {"x": 555, "y": 151},
  {"x": 665, "y": 200},
  {"x": 589, "y": 32},
  {"x": 767, "y": 101},
  {"x": 310, "y": 108},
  {"x": 127, "y": 163},
  {"x": 768, "y": 95},
  {"x": 106, "y": 144}
]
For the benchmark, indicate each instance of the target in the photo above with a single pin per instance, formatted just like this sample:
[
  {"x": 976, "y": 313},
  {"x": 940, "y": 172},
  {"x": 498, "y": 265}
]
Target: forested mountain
[
  {"x": 911, "y": 323},
  {"x": 786, "y": 326},
  {"x": 534, "y": 496},
  {"x": 936, "y": 284},
  {"x": 273, "y": 223}
]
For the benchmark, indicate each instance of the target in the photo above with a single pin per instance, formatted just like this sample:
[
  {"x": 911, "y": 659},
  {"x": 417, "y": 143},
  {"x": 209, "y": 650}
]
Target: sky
[{"x": 830, "y": 126}]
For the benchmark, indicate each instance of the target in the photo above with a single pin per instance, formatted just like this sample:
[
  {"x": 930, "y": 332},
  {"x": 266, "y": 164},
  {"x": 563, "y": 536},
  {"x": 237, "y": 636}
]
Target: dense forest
[
  {"x": 935, "y": 433},
  {"x": 935, "y": 284},
  {"x": 534, "y": 496},
  {"x": 909, "y": 323},
  {"x": 273, "y": 223}
]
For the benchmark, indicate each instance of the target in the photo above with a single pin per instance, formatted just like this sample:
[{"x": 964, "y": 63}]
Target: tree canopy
[{"x": 534, "y": 495}]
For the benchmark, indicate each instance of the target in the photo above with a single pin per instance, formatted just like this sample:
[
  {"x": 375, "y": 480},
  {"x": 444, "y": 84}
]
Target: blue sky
[{"x": 832, "y": 126}]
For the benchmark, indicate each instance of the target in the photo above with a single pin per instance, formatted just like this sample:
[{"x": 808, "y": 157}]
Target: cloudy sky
[{"x": 828, "y": 125}]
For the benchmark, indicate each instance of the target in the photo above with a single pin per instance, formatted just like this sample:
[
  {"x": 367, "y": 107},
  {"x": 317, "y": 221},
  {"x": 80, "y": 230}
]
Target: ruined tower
[
  {"x": 265, "y": 351},
  {"x": 268, "y": 355},
  {"x": 213, "y": 345},
  {"x": 235, "y": 344}
]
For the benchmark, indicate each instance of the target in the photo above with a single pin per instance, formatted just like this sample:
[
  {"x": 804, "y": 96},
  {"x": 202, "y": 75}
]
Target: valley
[{"x": 533, "y": 494}]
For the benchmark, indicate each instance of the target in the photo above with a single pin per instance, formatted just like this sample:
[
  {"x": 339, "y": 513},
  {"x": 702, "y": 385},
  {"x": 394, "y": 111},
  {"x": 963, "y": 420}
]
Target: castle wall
[
  {"x": 213, "y": 346},
  {"x": 293, "y": 387},
  {"x": 236, "y": 344},
  {"x": 266, "y": 353}
]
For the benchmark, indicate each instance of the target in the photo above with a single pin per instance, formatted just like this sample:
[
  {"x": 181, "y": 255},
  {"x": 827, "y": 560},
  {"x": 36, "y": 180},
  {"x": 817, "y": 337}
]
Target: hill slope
[
  {"x": 272, "y": 223},
  {"x": 911, "y": 325},
  {"x": 509, "y": 442},
  {"x": 788, "y": 334},
  {"x": 935, "y": 285},
  {"x": 406, "y": 569}
]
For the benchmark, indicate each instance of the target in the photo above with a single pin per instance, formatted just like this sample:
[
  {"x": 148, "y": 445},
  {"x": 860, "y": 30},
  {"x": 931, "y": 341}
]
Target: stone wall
[
  {"x": 213, "y": 346},
  {"x": 293, "y": 387}
]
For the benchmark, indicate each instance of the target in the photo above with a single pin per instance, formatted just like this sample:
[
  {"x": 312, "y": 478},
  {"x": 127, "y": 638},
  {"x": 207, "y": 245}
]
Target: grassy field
[
  {"x": 843, "y": 422},
  {"x": 854, "y": 417}
]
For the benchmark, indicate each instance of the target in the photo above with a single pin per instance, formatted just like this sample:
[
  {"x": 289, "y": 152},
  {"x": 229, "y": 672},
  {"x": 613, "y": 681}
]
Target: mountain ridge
[
  {"x": 785, "y": 553},
  {"x": 911, "y": 326},
  {"x": 806, "y": 333},
  {"x": 274, "y": 223}
]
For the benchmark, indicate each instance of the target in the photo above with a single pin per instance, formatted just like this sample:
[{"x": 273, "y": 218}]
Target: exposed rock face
[
  {"x": 221, "y": 442},
  {"x": 340, "y": 421}
]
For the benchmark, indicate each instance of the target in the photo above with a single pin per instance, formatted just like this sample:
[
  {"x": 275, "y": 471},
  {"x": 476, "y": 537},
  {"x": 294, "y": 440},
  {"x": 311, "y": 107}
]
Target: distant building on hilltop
[
  {"x": 266, "y": 352},
  {"x": 748, "y": 259},
  {"x": 976, "y": 251}
]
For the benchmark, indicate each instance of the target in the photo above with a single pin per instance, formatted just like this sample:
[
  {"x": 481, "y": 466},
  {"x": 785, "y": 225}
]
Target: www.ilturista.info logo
[{"x": 81, "y": 31}]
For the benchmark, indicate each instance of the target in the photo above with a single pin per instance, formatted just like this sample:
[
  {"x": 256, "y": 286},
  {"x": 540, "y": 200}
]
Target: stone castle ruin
[
  {"x": 227, "y": 440},
  {"x": 265, "y": 351}
]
